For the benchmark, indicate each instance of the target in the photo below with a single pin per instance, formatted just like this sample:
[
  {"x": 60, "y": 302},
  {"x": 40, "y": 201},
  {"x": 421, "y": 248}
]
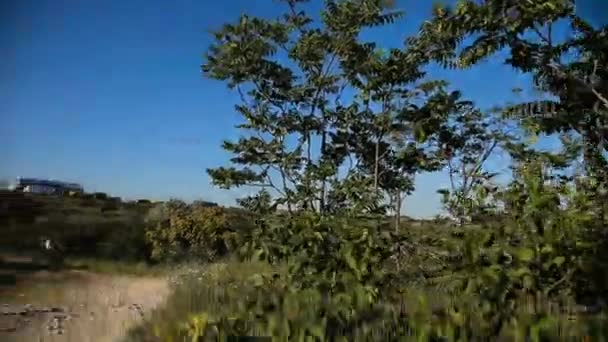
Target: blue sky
[{"x": 110, "y": 94}]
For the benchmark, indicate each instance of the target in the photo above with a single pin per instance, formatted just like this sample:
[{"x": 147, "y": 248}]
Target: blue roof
[{"x": 53, "y": 183}]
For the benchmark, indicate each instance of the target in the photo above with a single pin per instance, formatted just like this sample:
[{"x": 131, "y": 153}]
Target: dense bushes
[
  {"x": 93, "y": 229},
  {"x": 126, "y": 243},
  {"x": 518, "y": 260},
  {"x": 100, "y": 195},
  {"x": 178, "y": 231},
  {"x": 516, "y": 277}
]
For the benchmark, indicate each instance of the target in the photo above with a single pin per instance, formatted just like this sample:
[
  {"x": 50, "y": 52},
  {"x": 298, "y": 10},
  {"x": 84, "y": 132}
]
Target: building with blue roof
[{"x": 46, "y": 186}]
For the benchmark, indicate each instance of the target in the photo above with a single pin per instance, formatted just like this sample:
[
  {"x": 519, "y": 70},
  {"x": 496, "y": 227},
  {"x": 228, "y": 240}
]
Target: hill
[{"x": 83, "y": 225}]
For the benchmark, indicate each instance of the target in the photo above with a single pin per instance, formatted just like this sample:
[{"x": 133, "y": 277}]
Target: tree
[
  {"x": 573, "y": 70},
  {"x": 291, "y": 73},
  {"x": 469, "y": 139}
]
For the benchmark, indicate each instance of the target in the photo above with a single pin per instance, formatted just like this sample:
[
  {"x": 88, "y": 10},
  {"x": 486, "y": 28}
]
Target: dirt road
[{"x": 77, "y": 306}]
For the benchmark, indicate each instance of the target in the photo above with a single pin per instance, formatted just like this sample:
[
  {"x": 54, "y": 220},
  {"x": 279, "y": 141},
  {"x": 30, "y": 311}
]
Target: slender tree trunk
[
  {"x": 398, "y": 212},
  {"x": 323, "y": 182},
  {"x": 286, "y": 190},
  {"x": 309, "y": 163},
  {"x": 376, "y": 162}
]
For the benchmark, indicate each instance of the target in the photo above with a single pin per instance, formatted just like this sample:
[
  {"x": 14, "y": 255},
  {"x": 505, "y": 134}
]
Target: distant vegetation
[
  {"x": 83, "y": 225},
  {"x": 92, "y": 226}
]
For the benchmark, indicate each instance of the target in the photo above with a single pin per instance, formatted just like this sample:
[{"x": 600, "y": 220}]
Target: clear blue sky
[{"x": 110, "y": 94}]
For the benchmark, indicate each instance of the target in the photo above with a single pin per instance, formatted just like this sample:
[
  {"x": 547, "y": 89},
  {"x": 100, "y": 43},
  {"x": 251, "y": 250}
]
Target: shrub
[
  {"x": 100, "y": 195},
  {"x": 109, "y": 206},
  {"x": 88, "y": 202},
  {"x": 115, "y": 199},
  {"x": 199, "y": 203},
  {"x": 337, "y": 285},
  {"x": 87, "y": 196},
  {"x": 516, "y": 277},
  {"x": 128, "y": 243},
  {"x": 158, "y": 214},
  {"x": 176, "y": 231},
  {"x": 74, "y": 194}
]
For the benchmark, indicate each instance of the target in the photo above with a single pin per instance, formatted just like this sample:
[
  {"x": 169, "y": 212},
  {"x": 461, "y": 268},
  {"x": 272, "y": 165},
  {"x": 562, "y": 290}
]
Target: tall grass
[{"x": 211, "y": 288}]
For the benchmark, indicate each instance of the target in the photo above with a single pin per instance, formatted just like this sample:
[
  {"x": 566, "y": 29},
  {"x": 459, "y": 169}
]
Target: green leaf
[
  {"x": 547, "y": 249},
  {"x": 559, "y": 260},
  {"x": 350, "y": 261},
  {"x": 524, "y": 254},
  {"x": 317, "y": 331},
  {"x": 520, "y": 272},
  {"x": 257, "y": 280},
  {"x": 528, "y": 281},
  {"x": 257, "y": 255}
]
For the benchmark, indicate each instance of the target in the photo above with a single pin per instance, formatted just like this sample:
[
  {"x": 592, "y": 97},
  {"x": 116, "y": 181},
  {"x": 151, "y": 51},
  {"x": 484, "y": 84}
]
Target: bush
[
  {"x": 115, "y": 199},
  {"x": 109, "y": 206},
  {"x": 204, "y": 204},
  {"x": 128, "y": 244},
  {"x": 515, "y": 276},
  {"x": 87, "y": 196},
  {"x": 74, "y": 194},
  {"x": 337, "y": 284},
  {"x": 88, "y": 202},
  {"x": 212, "y": 288},
  {"x": 158, "y": 214},
  {"x": 100, "y": 195},
  {"x": 177, "y": 231}
]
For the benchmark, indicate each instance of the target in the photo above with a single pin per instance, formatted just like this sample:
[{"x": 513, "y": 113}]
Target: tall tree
[
  {"x": 573, "y": 70},
  {"x": 291, "y": 73},
  {"x": 468, "y": 140}
]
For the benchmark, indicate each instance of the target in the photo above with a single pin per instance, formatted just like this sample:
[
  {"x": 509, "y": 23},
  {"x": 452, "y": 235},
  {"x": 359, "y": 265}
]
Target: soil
[{"x": 76, "y": 306}]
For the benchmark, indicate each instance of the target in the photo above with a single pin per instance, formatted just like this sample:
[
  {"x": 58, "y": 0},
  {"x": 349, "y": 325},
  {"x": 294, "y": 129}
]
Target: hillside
[{"x": 80, "y": 223}]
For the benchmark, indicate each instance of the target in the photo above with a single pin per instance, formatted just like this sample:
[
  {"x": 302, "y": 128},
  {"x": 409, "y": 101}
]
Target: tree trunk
[
  {"x": 323, "y": 182},
  {"x": 398, "y": 213},
  {"x": 376, "y": 162},
  {"x": 311, "y": 205}
]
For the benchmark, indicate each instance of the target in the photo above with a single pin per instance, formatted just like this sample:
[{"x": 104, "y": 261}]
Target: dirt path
[{"x": 77, "y": 306}]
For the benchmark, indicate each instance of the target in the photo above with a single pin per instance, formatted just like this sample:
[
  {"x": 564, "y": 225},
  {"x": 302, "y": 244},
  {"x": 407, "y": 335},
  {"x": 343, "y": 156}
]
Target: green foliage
[
  {"x": 128, "y": 243},
  {"x": 521, "y": 256},
  {"x": 74, "y": 193},
  {"x": 101, "y": 229},
  {"x": 301, "y": 101},
  {"x": 176, "y": 230},
  {"x": 572, "y": 70},
  {"x": 110, "y": 206},
  {"x": 512, "y": 278},
  {"x": 100, "y": 195},
  {"x": 467, "y": 141}
]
